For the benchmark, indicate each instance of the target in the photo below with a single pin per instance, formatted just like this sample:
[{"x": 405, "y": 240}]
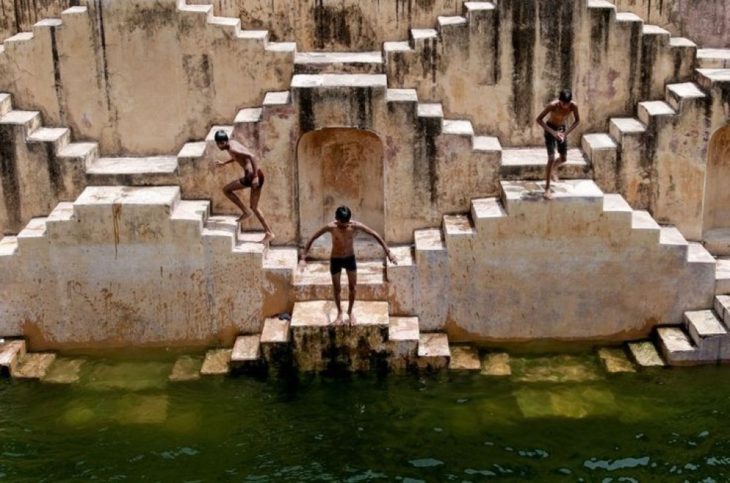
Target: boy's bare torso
[
  {"x": 343, "y": 238},
  {"x": 241, "y": 155},
  {"x": 558, "y": 115}
]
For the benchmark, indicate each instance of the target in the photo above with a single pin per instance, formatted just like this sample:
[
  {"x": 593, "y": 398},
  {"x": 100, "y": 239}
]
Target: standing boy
[
  {"x": 556, "y": 133},
  {"x": 343, "y": 231},
  {"x": 253, "y": 178}
]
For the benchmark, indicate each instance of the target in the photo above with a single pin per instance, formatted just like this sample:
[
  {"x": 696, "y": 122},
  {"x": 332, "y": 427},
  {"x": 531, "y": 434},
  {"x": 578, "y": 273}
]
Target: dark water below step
[{"x": 557, "y": 419}]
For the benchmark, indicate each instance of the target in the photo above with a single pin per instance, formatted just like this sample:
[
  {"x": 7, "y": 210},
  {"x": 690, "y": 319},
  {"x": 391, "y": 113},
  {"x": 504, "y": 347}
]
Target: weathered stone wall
[
  {"x": 568, "y": 269},
  {"x": 20, "y": 15},
  {"x": 346, "y": 25},
  {"x": 139, "y": 77},
  {"x": 128, "y": 266},
  {"x": 706, "y": 22}
]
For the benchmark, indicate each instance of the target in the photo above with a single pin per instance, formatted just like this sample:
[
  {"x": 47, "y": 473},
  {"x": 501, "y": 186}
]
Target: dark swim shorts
[
  {"x": 246, "y": 180},
  {"x": 337, "y": 264},
  {"x": 551, "y": 142}
]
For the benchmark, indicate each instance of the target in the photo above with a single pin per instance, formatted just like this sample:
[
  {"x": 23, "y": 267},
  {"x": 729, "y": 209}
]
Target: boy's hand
[{"x": 218, "y": 164}]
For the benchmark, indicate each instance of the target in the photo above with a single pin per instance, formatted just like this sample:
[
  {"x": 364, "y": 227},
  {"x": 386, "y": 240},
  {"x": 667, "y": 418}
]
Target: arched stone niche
[
  {"x": 716, "y": 218},
  {"x": 340, "y": 166}
]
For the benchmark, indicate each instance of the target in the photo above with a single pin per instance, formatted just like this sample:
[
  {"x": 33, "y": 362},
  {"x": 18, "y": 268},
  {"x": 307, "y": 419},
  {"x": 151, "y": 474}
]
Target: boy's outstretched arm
[
  {"x": 380, "y": 240},
  {"x": 303, "y": 252}
]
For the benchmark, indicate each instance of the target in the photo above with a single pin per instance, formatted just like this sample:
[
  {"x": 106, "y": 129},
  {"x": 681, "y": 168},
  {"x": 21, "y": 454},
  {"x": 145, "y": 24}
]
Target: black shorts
[
  {"x": 551, "y": 142},
  {"x": 337, "y": 264},
  {"x": 246, "y": 181}
]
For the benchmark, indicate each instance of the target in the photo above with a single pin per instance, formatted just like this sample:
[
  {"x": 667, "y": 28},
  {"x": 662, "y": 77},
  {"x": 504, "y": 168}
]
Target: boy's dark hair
[
  {"x": 221, "y": 136},
  {"x": 565, "y": 95},
  {"x": 343, "y": 214}
]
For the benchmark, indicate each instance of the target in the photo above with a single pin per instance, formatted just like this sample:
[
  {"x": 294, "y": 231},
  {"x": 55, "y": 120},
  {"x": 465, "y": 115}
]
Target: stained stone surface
[
  {"x": 645, "y": 354},
  {"x": 464, "y": 358},
  {"x": 64, "y": 371},
  {"x": 217, "y": 362},
  {"x": 141, "y": 409},
  {"x": 573, "y": 402},
  {"x": 614, "y": 360},
  {"x": 126, "y": 376},
  {"x": 496, "y": 364},
  {"x": 33, "y": 365},
  {"x": 403, "y": 334},
  {"x": 186, "y": 368},
  {"x": 562, "y": 368},
  {"x": 433, "y": 351}
]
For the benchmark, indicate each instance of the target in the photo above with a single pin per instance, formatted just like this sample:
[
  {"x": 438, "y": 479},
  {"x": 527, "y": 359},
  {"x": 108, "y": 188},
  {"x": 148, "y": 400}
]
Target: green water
[{"x": 557, "y": 419}]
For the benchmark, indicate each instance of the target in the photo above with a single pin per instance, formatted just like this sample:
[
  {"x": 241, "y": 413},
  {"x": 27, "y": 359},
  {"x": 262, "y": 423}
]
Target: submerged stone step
[
  {"x": 464, "y": 358},
  {"x": 645, "y": 354},
  {"x": 614, "y": 360},
  {"x": 186, "y": 368},
  {"x": 275, "y": 337},
  {"x": 216, "y": 362},
  {"x": 64, "y": 371},
  {"x": 530, "y": 164},
  {"x": 496, "y": 364},
  {"x": 33, "y": 365},
  {"x": 246, "y": 352}
]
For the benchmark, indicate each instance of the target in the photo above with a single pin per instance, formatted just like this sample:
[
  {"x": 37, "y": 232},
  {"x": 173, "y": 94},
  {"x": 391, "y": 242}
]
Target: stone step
[
  {"x": 27, "y": 120},
  {"x": 677, "y": 348},
  {"x": 645, "y": 354},
  {"x": 457, "y": 127},
  {"x": 314, "y": 282},
  {"x": 246, "y": 352},
  {"x": 418, "y": 37},
  {"x": 671, "y": 237},
  {"x": 722, "y": 308},
  {"x": 221, "y": 231},
  {"x": 682, "y": 94},
  {"x": 32, "y": 234},
  {"x": 8, "y": 246},
  {"x": 627, "y": 18},
  {"x": 6, "y": 103},
  {"x": 338, "y": 81},
  {"x": 216, "y": 362},
  {"x": 655, "y": 30},
  {"x": 319, "y": 344},
  {"x": 433, "y": 351},
  {"x": 707, "y": 78},
  {"x": 619, "y": 127},
  {"x": 431, "y": 112},
  {"x": 601, "y": 151},
  {"x": 717, "y": 241},
  {"x": 282, "y": 47},
  {"x": 129, "y": 204},
  {"x": 429, "y": 240},
  {"x": 485, "y": 212},
  {"x": 34, "y": 365},
  {"x": 10, "y": 353},
  {"x": 192, "y": 212},
  {"x": 281, "y": 259},
  {"x": 458, "y": 226},
  {"x": 697, "y": 254},
  {"x": 644, "y": 229},
  {"x": 275, "y": 337},
  {"x": 617, "y": 209},
  {"x": 530, "y": 164},
  {"x": 403, "y": 337},
  {"x": 58, "y": 137},
  {"x": 64, "y": 371},
  {"x": 318, "y": 314},
  {"x": 134, "y": 171},
  {"x": 82, "y": 153},
  {"x": 464, "y": 358},
  {"x": 338, "y": 62},
  {"x": 707, "y": 334},
  {"x": 526, "y": 198},
  {"x": 722, "y": 276},
  {"x": 713, "y": 58},
  {"x": 447, "y": 22},
  {"x": 648, "y": 111}
]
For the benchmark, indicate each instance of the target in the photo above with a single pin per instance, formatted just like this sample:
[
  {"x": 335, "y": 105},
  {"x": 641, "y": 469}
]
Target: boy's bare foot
[
  {"x": 244, "y": 216},
  {"x": 353, "y": 321},
  {"x": 268, "y": 236},
  {"x": 339, "y": 319},
  {"x": 548, "y": 195}
]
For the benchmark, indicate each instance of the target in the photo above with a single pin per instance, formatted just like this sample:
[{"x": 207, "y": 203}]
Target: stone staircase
[
  {"x": 17, "y": 363},
  {"x": 704, "y": 338}
]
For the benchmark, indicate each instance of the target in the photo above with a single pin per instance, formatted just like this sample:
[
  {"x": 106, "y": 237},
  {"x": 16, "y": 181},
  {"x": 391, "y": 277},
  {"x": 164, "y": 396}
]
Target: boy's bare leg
[
  {"x": 255, "y": 195},
  {"x": 352, "y": 286},
  {"x": 228, "y": 190},
  {"x": 336, "y": 287},
  {"x": 548, "y": 177},
  {"x": 556, "y": 167}
]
